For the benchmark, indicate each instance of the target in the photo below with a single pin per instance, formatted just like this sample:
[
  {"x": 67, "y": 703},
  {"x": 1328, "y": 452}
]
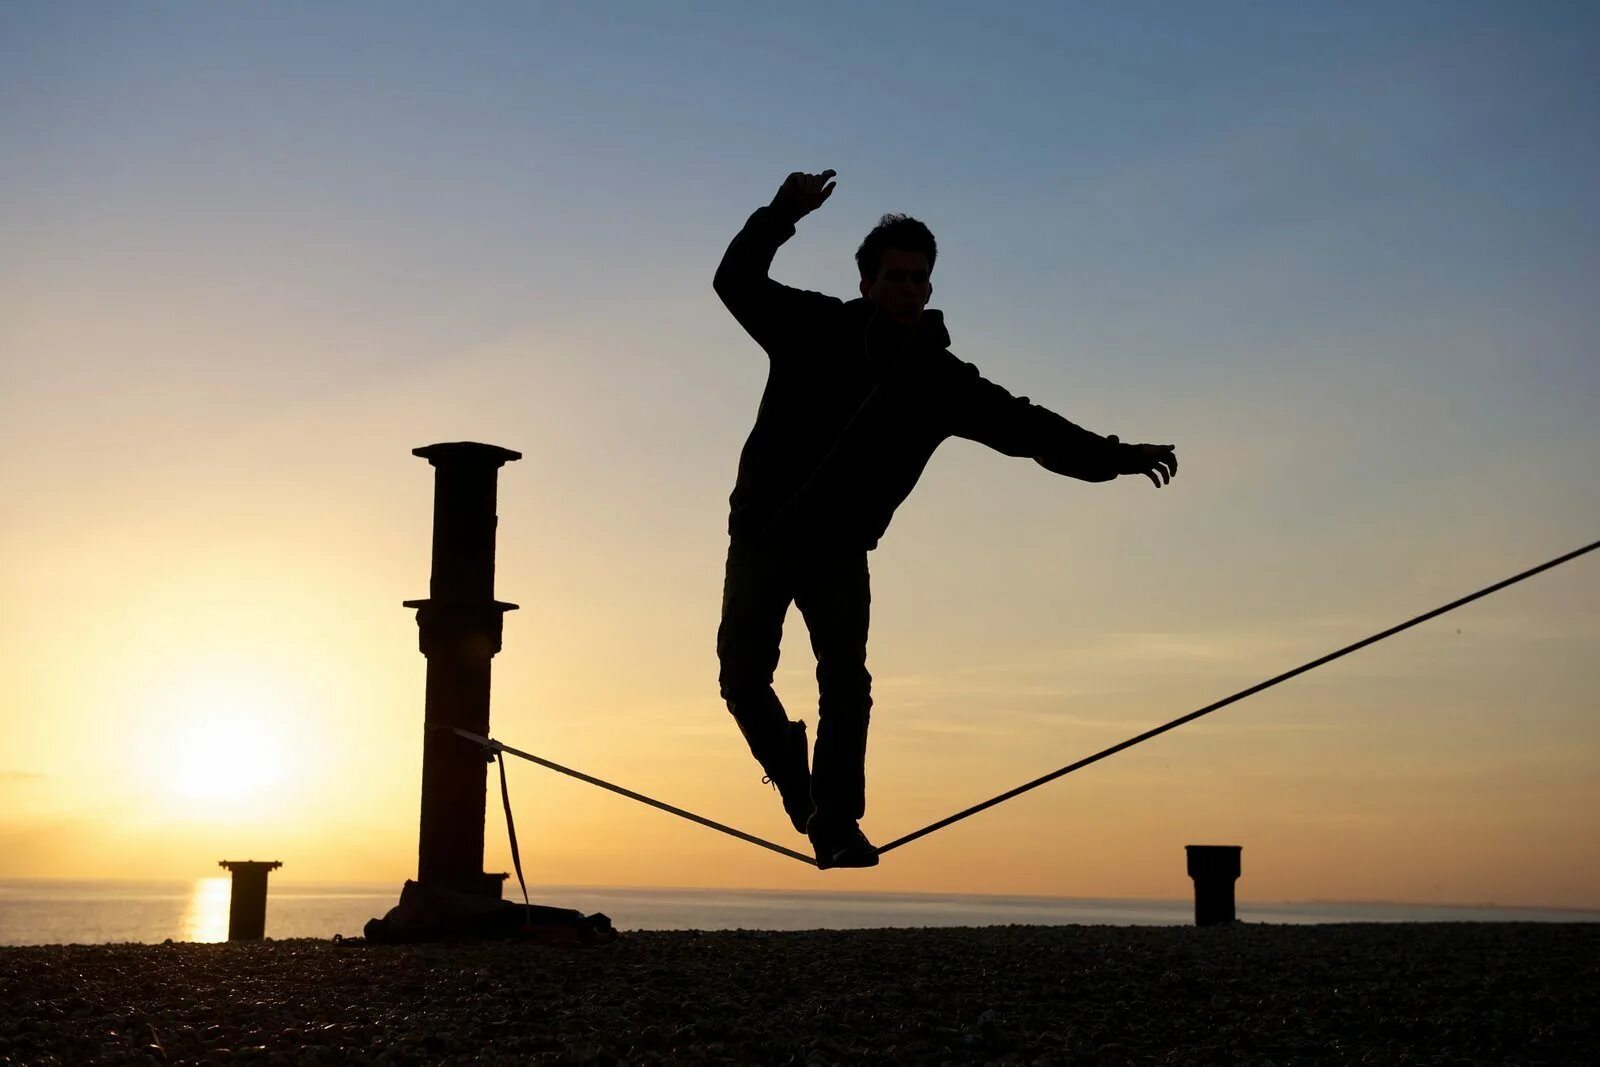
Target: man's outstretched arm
[
  {"x": 982, "y": 411},
  {"x": 743, "y": 279},
  {"x": 1017, "y": 427}
]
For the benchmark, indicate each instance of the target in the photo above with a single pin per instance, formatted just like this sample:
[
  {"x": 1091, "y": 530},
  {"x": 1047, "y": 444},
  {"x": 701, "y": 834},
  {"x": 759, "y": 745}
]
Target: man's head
[{"x": 896, "y": 262}]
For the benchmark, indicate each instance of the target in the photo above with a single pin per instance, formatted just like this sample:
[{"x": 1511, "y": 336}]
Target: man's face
[{"x": 903, "y": 287}]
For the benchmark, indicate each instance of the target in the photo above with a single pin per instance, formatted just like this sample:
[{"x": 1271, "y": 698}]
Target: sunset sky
[{"x": 1344, "y": 256}]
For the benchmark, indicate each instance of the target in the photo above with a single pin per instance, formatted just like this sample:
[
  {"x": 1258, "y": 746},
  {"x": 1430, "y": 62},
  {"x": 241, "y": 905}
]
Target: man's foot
[
  {"x": 790, "y": 772},
  {"x": 841, "y": 844}
]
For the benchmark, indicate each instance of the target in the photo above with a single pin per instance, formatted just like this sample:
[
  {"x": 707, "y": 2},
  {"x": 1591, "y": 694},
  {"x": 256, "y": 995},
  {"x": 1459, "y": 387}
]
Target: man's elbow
[{"x": 725, "y": 282}]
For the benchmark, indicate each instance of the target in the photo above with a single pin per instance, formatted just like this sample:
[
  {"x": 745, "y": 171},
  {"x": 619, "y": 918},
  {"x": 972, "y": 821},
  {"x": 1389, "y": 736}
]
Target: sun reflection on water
[{"x": 207, "y": 918}]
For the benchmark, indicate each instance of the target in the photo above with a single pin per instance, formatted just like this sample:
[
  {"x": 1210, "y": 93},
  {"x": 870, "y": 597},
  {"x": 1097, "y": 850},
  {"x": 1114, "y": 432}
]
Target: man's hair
[{"x": 894, "y": 231}]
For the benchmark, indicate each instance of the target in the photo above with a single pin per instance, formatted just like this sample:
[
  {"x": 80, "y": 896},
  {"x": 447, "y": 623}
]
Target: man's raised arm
[{"x": 742, "y": 279}]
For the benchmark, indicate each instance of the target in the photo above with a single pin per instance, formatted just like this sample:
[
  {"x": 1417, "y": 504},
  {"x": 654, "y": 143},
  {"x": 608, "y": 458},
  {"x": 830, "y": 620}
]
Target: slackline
[{"x": 495, "y": 747}]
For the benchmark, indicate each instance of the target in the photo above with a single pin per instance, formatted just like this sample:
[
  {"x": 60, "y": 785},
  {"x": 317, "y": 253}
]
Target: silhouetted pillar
[
  {"x": 1214, "y": 869},
  {"x": 247, "y": 901},
  {"x": 459, "y": 628}
]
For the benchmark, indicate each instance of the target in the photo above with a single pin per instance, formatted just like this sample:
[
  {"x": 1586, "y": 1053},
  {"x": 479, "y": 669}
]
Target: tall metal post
[{"x": 459, "y": 629}]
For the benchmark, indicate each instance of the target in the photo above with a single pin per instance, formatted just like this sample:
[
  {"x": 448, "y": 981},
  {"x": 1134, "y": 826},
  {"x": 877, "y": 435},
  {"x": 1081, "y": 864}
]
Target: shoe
[
  {"x": 790, "y": 774},
  {"x": 841, "y": 845}
]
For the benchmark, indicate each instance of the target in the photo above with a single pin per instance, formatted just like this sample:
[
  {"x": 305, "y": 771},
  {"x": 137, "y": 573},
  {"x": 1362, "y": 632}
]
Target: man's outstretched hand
[
  {"x": 801, "y": 194},
  {"x": 1159, "y": 463}
]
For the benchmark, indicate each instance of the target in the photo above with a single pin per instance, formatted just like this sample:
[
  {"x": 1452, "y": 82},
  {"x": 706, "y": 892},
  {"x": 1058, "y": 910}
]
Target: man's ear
[{"x": 866, "y": 286}]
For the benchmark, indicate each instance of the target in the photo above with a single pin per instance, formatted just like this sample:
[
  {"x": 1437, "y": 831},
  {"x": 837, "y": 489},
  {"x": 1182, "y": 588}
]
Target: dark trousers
[{"x": 832, "y": 591}]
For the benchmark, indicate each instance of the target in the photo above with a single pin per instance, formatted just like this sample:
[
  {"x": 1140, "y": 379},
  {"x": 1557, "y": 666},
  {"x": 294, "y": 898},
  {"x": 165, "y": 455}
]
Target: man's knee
[
  {"x": 847, "y": 677},
  {"x": 742, "y": 685}
]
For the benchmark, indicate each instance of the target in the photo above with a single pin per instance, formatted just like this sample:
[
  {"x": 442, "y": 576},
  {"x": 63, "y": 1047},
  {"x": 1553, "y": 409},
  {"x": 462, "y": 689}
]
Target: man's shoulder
[
  {"x": 859, "y": 308},
  {"x": 840, "y": 318}
]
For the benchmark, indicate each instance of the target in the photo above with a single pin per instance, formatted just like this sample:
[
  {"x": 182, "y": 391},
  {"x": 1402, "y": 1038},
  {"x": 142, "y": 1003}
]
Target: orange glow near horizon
[
  {"x": 293, "y": 732},
  {"x": 269, "y": 702}
]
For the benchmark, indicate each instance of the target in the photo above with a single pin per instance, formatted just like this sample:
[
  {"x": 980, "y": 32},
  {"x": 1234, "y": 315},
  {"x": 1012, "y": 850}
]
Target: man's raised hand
[
  {"x": 1159, "y": 463},
  {"x": 801, "y": 194}
]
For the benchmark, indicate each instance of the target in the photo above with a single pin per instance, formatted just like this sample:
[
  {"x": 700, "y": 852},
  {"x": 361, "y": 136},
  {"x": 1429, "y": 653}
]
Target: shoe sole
[{"x": 850, "y": 857}]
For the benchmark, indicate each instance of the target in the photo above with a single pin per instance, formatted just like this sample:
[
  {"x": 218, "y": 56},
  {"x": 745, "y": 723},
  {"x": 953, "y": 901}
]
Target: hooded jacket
[{"x": 855, "y": 405}]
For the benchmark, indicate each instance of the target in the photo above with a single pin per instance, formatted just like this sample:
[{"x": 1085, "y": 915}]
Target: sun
[
  {"x": 231, "y": 755},
  {"x": 221, "y": 740}
]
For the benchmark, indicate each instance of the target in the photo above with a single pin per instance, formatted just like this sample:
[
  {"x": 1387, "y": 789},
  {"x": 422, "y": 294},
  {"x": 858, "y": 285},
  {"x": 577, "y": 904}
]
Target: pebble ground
[{"x": 1248, "y": 994}]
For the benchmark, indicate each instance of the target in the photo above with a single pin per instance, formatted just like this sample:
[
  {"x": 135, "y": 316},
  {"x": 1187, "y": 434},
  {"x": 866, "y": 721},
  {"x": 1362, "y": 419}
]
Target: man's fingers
[
  {"x": 1158, "y": 473},
  {"x": 1165, "y": 456},
  {"x": 1159, "y": 463},
  {"x": 807, "y": 190}
]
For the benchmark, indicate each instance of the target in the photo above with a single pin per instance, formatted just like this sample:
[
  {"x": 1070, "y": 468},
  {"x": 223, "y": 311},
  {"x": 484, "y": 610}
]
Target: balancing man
[{"x": 859, "y": 394}]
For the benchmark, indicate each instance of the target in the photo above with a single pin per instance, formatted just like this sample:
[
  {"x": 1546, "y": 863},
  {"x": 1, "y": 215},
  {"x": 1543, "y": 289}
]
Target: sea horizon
[{"x": 40, "y": 911}]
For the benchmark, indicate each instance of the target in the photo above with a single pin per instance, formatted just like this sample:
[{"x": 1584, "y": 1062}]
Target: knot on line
[{"x": 491, "y": 748}]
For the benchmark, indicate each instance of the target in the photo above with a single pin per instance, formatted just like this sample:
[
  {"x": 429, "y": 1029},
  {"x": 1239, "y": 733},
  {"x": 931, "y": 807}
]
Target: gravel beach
[{"x": 1429, "y": 993}]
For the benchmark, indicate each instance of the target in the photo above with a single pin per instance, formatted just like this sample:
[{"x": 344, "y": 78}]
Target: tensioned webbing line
[
  {"x": 496, "y": 747},
  {"x": 1240, "y": 695}
]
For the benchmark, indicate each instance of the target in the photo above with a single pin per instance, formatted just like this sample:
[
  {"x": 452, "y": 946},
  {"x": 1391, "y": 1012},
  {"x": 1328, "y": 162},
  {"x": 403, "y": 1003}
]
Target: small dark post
[
  {"x": 247, "y": 903},
  {"x": 1214, "y": 869},
  {"x": 460, "y": 625}
]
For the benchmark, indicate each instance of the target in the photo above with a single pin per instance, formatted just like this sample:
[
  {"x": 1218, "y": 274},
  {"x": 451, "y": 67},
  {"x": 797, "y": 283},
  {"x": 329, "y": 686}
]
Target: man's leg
[
  {"x": 834, "y": 594},
  {"x": 756, "y": 592}
]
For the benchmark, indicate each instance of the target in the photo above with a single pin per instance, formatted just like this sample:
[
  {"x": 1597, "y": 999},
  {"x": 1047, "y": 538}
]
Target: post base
[{"x": 428, "y": 913}]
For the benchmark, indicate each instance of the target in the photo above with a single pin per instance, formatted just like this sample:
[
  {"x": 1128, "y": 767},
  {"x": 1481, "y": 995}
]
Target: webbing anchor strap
[{"x": 511, "y": 828}]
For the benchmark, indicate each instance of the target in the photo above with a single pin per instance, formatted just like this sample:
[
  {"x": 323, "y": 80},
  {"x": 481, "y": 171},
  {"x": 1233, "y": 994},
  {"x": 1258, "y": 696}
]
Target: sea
[{"x": 43, "y": 912}]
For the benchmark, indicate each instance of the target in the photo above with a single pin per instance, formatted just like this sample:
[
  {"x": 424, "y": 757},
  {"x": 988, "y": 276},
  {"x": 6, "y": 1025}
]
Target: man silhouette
[{"x": 859, "y": 394}]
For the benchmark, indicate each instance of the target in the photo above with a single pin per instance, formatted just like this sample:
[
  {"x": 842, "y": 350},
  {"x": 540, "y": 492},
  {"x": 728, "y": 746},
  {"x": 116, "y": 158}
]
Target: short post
[
  {"x": 1214, "y": 869},
  {"x": 247, "y": 904}
]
